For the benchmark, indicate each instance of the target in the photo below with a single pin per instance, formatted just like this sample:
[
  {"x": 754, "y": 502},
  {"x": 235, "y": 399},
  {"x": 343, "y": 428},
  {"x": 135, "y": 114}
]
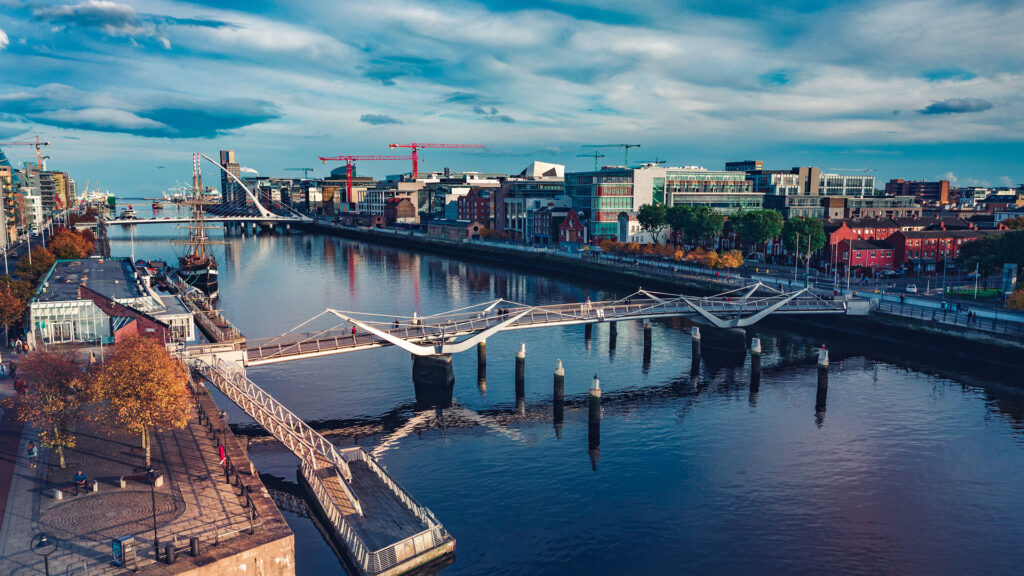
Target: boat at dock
[
  {"x": 129, "y": 214},
  {"x": 197, "y": 266}
]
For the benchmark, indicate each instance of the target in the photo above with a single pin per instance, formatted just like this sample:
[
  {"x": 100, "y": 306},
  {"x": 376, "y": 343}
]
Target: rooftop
[{"x": 112, "y": 278}]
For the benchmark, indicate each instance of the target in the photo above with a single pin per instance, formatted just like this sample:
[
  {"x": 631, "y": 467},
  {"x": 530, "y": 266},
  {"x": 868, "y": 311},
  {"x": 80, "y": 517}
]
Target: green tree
[
  {"x": 989, "y": 254},
  {"x": 802, "y": 229},
  {"x": 678, "y": 219},
  {"x": 697, "y": 223},
  {"x": 51, "y": 399},
  {"x": 758, "y": 226},
  {"x": 142, "y": 388},
  {"x": 42, "y": 260},
  {"x": 652, "y": 220}
]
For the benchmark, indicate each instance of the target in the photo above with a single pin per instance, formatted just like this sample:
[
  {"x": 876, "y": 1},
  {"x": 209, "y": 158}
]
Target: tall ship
[{"x": 197, "y": 266}]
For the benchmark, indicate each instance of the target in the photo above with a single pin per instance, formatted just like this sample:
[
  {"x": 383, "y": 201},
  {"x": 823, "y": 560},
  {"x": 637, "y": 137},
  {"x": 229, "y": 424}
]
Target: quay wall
[{"x": 907, "y": 332}]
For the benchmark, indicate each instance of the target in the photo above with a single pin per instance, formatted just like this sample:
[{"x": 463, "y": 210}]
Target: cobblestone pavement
[{"x": 193, "y": 501}]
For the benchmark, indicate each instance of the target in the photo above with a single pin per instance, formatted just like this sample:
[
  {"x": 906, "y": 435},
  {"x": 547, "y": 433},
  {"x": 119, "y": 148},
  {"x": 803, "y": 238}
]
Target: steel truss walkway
[
  {"x": 459, "y": 330},
  {"x": 384, "y": 530}
]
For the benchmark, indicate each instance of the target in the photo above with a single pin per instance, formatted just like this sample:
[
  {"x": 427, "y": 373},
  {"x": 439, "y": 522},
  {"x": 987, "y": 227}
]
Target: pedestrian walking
[
  {"x": 33, "y": 452},
  {"x": 353, "y": 330}
]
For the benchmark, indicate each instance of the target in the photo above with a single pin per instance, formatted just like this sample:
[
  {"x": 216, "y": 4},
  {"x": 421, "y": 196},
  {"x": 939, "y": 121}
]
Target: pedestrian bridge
[
  {"x": 459, "y": 330},
  {"x": 272, "y": 219}
]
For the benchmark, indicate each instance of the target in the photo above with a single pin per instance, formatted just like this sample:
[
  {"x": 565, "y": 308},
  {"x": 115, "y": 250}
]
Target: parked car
[
  {"x": 911, "y": 288},
  {"x": 973, "y": 276}
]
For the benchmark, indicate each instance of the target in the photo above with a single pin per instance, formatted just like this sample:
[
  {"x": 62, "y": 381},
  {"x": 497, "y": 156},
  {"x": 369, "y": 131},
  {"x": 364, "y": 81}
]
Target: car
[
  {"x": 911, "y": 288},
  {"x": 973, "y": 276}
]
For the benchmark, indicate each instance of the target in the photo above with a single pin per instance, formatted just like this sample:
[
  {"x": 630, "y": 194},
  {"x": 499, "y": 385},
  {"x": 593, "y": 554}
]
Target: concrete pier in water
[{"x": 558, "y": 398}]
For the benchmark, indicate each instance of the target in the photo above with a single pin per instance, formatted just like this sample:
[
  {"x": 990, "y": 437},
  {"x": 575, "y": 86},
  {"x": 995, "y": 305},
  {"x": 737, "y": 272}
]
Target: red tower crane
[
  {"x": 348, "y": 160},
  {"x": 416, "y": 146},
  {"x": 38, "y": 144}
]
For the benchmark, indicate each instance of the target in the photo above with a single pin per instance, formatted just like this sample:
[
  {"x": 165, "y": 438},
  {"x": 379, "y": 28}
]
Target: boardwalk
[{"x": 437, "y": 334}]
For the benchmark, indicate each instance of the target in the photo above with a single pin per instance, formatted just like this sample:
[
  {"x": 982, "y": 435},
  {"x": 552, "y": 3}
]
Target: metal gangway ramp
[{"x": 381, "y": 527}]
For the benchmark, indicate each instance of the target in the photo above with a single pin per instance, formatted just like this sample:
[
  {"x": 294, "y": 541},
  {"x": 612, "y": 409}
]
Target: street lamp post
[
  {"x": 151, "y": 474},
  {"x": 43, "y": 544}
]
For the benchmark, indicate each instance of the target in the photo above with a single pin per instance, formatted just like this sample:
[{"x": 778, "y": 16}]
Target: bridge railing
[
  {"x": 342, "y": 527},
  {"x": 284, "y": 425}
]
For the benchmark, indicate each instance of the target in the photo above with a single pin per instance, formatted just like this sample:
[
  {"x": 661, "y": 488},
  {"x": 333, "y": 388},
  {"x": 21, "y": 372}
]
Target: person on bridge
[
  {"x": 353, "y": 330},
  {"x": 396, "y": 323}
]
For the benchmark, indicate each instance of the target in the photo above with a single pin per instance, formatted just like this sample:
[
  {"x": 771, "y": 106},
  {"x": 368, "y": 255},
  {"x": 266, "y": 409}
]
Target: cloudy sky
[{"x": 126, "y": 91}]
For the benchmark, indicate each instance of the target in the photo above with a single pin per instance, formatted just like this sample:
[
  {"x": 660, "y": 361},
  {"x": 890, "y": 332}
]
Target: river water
[{"x": 914, "y": 467}]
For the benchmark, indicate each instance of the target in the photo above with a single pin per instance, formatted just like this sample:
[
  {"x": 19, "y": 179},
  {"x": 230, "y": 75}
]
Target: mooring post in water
[
  {"x": 558, "y": 394},
  {"x": 755, "y": 363},
  {"x": 822, "y": 396},
  {"x": 588, "y": 332},
  {"x": 481, "y": 366},
  {"x": 613, "y": 333},
  {"x": 521, "y": 377},
  {"x": 594, "y": 435},
  {"x": 695, "y": 350}
]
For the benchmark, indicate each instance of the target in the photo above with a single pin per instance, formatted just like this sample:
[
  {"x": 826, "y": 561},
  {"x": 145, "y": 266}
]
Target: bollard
[
  {"x": 594, "y": 419},
  {"x": 481, "y": 366},
  {"x": 588, "y": 331},
  {"x": 755, "y": 364},
  {"x": 695, "y": 351},
  {"x": 558, "y": 393},
  {"x": 124, "y": 483},
  {"x": 821, "y": 397},
  {"x": 521, "y": 372},
  {"x": 613, "y": 333},
  {"x": 169, "y": 553},
  {"x": 58, "y": 494},
  {"x": 95, "y": 486},
  {"x": 193, "y": 544}
]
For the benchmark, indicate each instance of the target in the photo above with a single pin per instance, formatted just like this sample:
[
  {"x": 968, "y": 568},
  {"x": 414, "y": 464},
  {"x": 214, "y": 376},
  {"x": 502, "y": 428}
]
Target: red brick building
[
  {"x": 573, "y": 229},
  {"x": 477, "y": 205},
  {"x": 873, "y": 254},
  {"x": 924, "y": 248},
  {"x": 125, "y": 321},
  {"x": 935, "y": 192}
]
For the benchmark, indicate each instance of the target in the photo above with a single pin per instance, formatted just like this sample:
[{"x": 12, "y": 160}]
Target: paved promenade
[{"x": 194, "y": 499}]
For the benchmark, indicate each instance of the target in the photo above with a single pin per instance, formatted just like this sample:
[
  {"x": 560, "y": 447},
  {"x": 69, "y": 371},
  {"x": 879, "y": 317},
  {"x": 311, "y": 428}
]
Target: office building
[
  {"x": 932, "y": 192},
  {"x": 230, "y": 191}
]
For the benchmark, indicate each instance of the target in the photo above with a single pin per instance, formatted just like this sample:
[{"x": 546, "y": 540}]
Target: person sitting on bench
[{"x": 80, "y": 480}]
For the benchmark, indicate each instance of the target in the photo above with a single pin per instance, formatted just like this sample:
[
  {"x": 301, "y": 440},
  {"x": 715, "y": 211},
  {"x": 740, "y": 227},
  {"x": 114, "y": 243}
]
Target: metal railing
[
  {"x": 953, "y": 318},
  {"x": 281, "y": 422}
]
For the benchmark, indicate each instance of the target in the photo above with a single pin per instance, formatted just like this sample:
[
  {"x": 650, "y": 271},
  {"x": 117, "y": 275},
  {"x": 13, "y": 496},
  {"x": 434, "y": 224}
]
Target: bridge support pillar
[
  {"x": 481, "y": 366},
  {"x": 558, "y": 393},
  {"x": 521, "y": 379},
  {"x": 755, "y": 368},
  {"x": 647, "y": 344},
  {"x": 588, "y": 332},
  {"x": 433, "y": 378},
  {"x": 594, "y": 421},
  {"x": 613, "y": 333},
  {"x": 821, "y": 397}
]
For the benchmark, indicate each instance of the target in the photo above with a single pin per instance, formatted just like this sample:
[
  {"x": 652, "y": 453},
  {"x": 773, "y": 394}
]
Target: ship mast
[{"x": 198, "y": 240}]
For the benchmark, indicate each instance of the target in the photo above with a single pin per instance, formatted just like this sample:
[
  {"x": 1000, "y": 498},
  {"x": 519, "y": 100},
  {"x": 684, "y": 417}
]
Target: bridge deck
[
  {"x": 435, "y": 329},
  {"x": 385, "y": 519}
]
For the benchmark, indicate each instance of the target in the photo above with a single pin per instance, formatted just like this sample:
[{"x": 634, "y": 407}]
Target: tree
[
  {"x": 697, "y": 223},
  {"x": 800, "y": 229},
  {"x": 652, "y": 220},
  {"x": 68, "y": 245},
  {"x": 1016, "y": 300},
  {"x": 51, "y": 399},
  {"x": 989, "y": 254},
  {"x": 1014, "y": 223},
  {"x": 142, "y": 388},
  {"x": 12, "y": 307},
  {"x": 758, "y": 226},
  {"x": 42, "y": 260},
  {"x": 731, "y": 259}
]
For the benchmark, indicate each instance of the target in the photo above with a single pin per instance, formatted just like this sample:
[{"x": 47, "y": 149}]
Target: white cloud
[
  {"x": 102, "y": 118},
  {"x": 4, "y": 40}
]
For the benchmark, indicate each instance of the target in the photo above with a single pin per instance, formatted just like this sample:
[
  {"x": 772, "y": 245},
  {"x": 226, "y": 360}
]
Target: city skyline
[{"x": 126, "y": 91}]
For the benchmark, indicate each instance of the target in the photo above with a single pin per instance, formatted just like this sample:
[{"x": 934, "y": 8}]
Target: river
[{"x": 914, "y": 467}]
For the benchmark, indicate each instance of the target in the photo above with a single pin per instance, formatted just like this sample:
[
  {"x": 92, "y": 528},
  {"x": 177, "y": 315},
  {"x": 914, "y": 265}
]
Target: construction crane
[
  {"x": 595, "y": 154},
  {"x": 348, "y": 160},
  {"x": 305, "y": 171},
  {"x": 864, "y": 170},
  {"x": 626, "y": 147},
  {"x": 416, "y": 147},
  {"x": 39, "y": 146}
]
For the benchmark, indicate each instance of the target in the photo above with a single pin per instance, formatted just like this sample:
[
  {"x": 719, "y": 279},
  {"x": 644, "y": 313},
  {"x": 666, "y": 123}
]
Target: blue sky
[{"x": 126, "y": 91}]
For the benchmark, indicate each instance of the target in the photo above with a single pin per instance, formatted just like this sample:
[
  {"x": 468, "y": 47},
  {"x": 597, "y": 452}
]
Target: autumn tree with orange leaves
[
  {"x": 52, "y": 398},
  {"x": 68, "y": 245},
  {"x": 142, "y": 389}
]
